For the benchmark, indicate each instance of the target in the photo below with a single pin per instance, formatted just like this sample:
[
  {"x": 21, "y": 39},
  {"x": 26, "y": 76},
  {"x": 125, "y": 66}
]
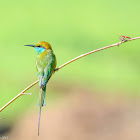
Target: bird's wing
[
  {"x": 45, "y": 69},
  {"x": 40, "y": 71},
  {"x": 49, "y": 69}
]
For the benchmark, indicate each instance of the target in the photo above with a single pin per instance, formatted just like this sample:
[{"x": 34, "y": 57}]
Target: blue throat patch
[{"x": 39, "y": 50}]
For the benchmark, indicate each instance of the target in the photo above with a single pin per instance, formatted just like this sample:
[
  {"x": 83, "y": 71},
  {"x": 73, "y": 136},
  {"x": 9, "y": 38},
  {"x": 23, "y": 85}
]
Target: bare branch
[
  {"x": 26, "y": 93},
  {"x": 82, "y": 55},
  {"x": 21, "y": 93}
]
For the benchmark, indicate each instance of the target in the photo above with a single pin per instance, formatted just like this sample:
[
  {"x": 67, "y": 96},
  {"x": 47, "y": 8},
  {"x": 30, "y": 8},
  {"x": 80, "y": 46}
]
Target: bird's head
[{"x": 41, "y": 46}]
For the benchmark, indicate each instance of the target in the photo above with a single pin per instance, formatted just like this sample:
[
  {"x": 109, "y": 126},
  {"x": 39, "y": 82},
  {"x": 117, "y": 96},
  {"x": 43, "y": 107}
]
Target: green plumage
[{"x": 45, "y": 64}]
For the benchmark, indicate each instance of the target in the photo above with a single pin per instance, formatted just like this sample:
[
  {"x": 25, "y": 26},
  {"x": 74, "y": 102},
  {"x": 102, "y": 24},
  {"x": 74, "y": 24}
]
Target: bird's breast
[{"x": 45, "y": 58}]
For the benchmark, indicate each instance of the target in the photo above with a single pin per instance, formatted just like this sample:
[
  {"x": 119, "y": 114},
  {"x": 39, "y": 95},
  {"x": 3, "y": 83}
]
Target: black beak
[{"x": 30, "y": 45}]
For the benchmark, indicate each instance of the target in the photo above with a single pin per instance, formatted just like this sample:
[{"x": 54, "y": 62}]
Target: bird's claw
[{"x": 56, "y": 69}]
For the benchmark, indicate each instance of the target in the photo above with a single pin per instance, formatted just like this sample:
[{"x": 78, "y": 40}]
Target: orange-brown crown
[{"x": 43, "y": 44}]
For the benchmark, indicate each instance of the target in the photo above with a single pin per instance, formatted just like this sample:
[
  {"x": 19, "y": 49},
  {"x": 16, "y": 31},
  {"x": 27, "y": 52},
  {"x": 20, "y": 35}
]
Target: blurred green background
[{"x": 72, "y": 28}]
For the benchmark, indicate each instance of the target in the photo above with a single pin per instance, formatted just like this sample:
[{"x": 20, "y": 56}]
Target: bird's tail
[
  {"x": 39, "y": 120},
  {"x": 41, "y": 103}
]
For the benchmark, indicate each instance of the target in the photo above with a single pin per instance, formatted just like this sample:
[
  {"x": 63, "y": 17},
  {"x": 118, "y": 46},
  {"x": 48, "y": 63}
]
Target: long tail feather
[
  {"x": 41, "y": 103},
  {"x": 39, "y": 120}
]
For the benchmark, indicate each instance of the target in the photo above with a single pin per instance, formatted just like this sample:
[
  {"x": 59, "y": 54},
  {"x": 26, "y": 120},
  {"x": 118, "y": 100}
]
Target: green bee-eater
[{"x": 45, "y": 64}]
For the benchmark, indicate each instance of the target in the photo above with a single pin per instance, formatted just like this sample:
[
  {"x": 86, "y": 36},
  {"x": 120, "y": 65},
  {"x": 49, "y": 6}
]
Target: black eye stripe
[{"x": 40, "y": 46}]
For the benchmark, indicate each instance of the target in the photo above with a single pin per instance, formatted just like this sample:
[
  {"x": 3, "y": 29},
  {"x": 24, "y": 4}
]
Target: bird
[{"x": 45, "y": 65}]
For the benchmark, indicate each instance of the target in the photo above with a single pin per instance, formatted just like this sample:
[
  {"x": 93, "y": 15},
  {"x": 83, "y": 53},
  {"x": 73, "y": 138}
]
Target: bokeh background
[{"x": 96, "y": 97}]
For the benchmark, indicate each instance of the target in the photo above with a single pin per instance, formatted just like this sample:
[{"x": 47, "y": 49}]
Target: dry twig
[{"x": 82, "y": 55}]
